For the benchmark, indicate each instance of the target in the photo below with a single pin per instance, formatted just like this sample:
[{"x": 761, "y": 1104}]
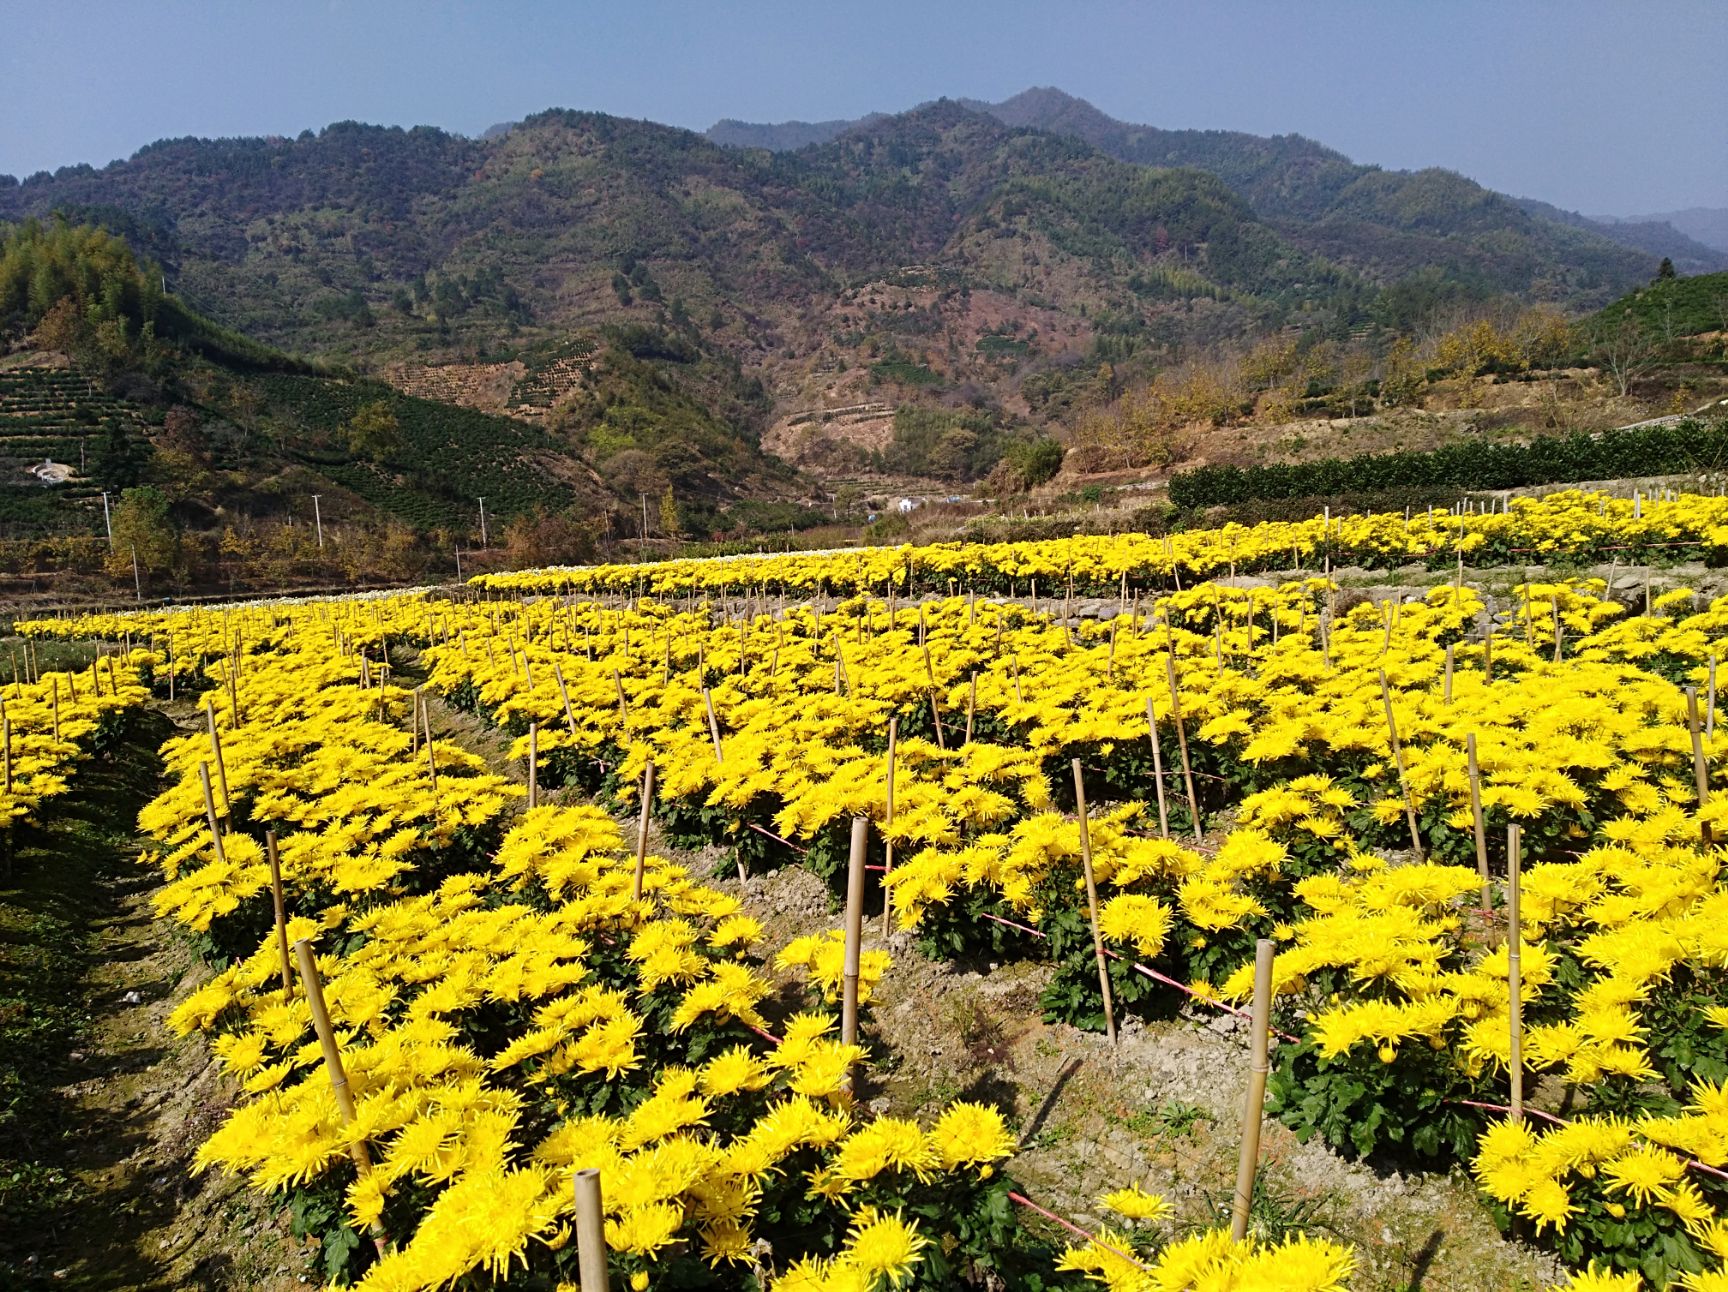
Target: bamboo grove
[{"x": 517, "y": 997}]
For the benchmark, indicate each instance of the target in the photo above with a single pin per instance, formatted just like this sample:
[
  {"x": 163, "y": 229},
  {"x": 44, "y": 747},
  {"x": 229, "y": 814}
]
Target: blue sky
[{"x": 1607, "y": 108}]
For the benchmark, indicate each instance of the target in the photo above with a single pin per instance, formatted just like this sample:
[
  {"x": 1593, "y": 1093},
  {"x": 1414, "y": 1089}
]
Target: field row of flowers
[
  {"x": 1573, "y": 524},
  {"x": 49, "y": 725},
  {"x": 510, "y": 1011}
]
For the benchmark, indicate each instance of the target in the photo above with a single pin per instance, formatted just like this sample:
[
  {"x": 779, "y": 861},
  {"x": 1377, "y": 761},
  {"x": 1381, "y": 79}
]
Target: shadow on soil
[{"x": 75, "y": 1043}]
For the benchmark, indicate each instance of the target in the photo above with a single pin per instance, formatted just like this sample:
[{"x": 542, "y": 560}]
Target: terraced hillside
[{"x": 54, "y": 427}]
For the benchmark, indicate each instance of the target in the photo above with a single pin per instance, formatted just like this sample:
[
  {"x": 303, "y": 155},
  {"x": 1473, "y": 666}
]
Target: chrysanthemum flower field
[{"x": 510, "y": 1012}]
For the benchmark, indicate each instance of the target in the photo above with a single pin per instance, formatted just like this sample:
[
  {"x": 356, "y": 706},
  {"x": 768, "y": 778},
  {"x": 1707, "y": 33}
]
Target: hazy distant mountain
[
  {"x": 786, "y": 136},
  {"x": 1706, "y": 224},
  {"x": 1654, "y": 236},
  {"x": 1388, "y": 225}
]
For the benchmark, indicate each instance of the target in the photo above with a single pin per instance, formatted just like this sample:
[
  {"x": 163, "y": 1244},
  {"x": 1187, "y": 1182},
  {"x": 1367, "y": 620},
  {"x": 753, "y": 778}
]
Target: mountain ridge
[{"x": 1290, "y": 178}]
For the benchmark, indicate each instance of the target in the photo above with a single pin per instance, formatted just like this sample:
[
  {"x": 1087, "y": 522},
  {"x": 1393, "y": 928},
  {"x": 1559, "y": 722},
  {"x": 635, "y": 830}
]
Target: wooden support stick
[
  {"x": 590, "y": 1232},
  {"x": 713, "y": 724},
  {"x": 971, "y": 707},
  {"x": 1092, "y": 902},
  {"x": 221, "y": 765},
  {"x": 1710, "y": 704},
  {"x": 1700, "y": 768},
  {"x": 431, "y": 759},
  {"x": 564, "y": 695},
  {"x": 1248, "y": 1163},
  {"x": 1514, "y": 984},
  {"x": 1158, "y": 772},
  {"x": 1182, "y": 741},
  {"x": 1403, "y": 777},
  {"x": 936, "y": 720},
  {"x": 1476, "y": 819},
  {"x": 887, "y": 824},
  {"x": 623, "y": 707},
  {"x": 281, "y": 914},
  {"x": 209, "y": 811},
  {"x": 854, "y": 930},
  {"x": 54, "y": 701},
  {"x": 1448, "y": 690},
  {"x": 533, "y": 765},
  {"x": 313, "y": 986},
  {"x": 642, "y": 831}
]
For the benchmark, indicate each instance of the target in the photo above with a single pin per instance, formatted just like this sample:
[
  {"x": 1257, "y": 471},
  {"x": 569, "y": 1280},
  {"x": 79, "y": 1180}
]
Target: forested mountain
[
  {"x": 922, "y": 293},
  {"x": 1386, "y": 225},
  {"x": 350, "y": 240},
  {"x": 1654, "y": 237},
  {"x": 1705, "y": 224}
]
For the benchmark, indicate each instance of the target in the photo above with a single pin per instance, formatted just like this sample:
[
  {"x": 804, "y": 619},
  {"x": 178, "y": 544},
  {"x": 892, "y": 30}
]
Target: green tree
[
  {"x": 118, "y": 461},
  {"x": 144, "y": 524},
  {"x": 373, "y": 431},
  {"x": 1665, "y": 270},
  {"x": 671, "y": 523},
  {"x": 1034, "y": 461}
]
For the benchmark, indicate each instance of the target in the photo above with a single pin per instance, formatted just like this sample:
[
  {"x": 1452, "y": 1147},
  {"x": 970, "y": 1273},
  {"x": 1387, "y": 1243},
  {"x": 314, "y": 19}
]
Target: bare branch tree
[{"x": 1623, "y": 352}]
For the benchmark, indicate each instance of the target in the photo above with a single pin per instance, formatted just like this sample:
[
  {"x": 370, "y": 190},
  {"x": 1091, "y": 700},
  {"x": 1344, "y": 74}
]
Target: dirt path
[{"x": 113, "y": 1104}]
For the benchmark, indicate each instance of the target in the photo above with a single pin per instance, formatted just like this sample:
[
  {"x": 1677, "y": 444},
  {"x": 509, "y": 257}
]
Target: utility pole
[
  {"x": 483, "y": 543},
  {"x": 318, "y": 519},
  {"x": 107, "y": 522},
  {"x": 137, "y": 583}
]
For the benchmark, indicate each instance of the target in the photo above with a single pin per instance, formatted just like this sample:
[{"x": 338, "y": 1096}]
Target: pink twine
[
  {"x": 1150, "y": 973},
  {"x": 777, "y": 839},
  {"x": 1072, "y": 1228}
]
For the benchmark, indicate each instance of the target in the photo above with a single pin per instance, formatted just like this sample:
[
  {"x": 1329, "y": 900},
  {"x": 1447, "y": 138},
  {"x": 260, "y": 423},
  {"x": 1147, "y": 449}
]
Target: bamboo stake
[
  {"x": 533, "y": 765},
  {"x": 1448, "y": 691},
  {"x": 431, "y": 758},
  {"x": 313, "y": 986},
  {"x": 887, "y": 826},
  {"x": 1158, "y": 772},
  {"x": 209, "y": 810},
  {"x": 590, "y": 1232},
  {"x": 936, "y": 719},
  {"x": 221, "y": 765},
  {"x": 281, "y": 914},
  {"x": 971, "y": 707},
  {"x": 564, "y": 692},
  {"x": 642, "y": 831},
  {"x": 1182, "y": 741},
  {"x": 623, "y": 707},
  {"x": 1700, "y": 768},
  {"x": 713, "y": 724},
  {"x": 854, "y": 931},
  {"x": 1710, "y": 707},
  {"x": 1248, "y": 1163},
  {"x": 1403, "y": 777},
  {"x": 1488, "y": 652},
  {"x": 54, "y": 700},
  {"x": 1092, "y": 903},
  {"x": 1476, "y": 818},
  {"x": 1514, "y": 970},
  {"x": 6, "y": 757}
]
